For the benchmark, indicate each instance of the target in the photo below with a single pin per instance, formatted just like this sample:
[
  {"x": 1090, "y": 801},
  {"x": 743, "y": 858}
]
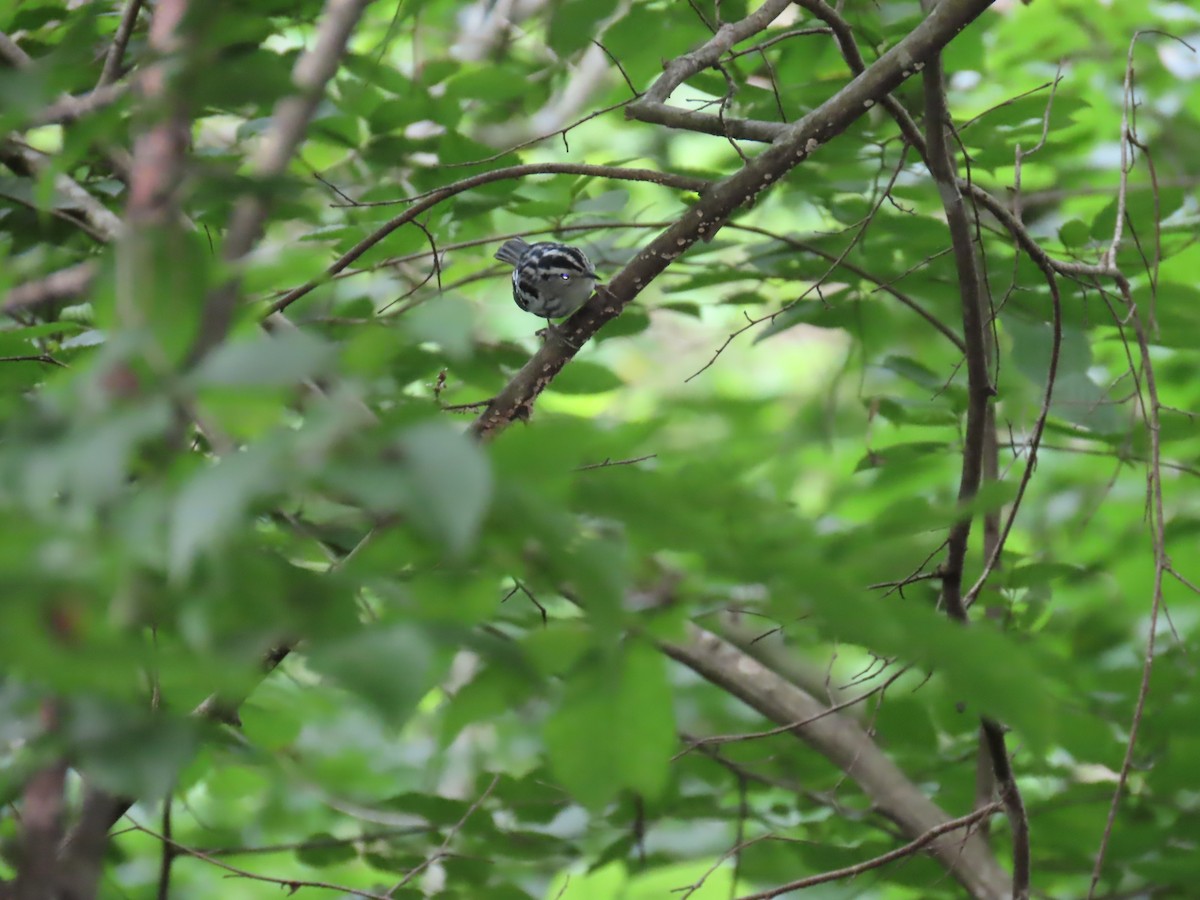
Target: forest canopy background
[{"x": 845, "y": 541}]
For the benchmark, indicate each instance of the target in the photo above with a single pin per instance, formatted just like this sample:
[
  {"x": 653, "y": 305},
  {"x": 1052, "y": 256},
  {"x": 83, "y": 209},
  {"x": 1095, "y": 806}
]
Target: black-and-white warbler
[{"x": 549, "y": 280}]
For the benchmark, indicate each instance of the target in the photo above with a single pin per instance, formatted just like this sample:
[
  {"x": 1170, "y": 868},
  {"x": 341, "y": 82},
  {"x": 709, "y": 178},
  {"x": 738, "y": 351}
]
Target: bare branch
[
  {"x": 65, "y": 284},
  {"x": 839, "y": 262},
  {"x": 680, "y": 69},
  {"x": 608, "y": 463},
  {"x": 12, "y": 54},
  {"x": 845, "y": 744},
  {"x": 69, "y": 108},
  {"x": 891, "y": 856},
  {"x": 101, "y": 222},
  {"x": 428, "y": 201},
  {"x": 36, "y": 357},
  {"x": 617, "y": 173},
  {"x": 116, "y": 51},
  {"x": 1151, "y": 408},
  {"x": 705, "y": 218},
  {"x": 719, "y": 739},
  {"x": 441, "y": 851},
  {"x": 652, "y": 106},
  {"x": 292, "y": 884}
]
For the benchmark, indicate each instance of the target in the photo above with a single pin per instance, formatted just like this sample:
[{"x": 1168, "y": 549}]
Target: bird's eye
[{"x": 564, "y": 276}]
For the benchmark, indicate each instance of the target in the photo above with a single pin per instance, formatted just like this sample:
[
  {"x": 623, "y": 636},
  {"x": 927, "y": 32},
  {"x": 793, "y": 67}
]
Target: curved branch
[
  {"x": 652, "y": 106},
  {"x": 428, "y": 201},
  {"x": 96, "y": 219}
]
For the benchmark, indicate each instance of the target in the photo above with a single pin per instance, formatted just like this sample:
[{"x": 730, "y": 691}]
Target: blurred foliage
[{"x": 476, "y": 681}]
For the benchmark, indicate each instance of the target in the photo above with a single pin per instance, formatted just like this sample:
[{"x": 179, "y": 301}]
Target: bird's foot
[{"x": 555, "y": 331}]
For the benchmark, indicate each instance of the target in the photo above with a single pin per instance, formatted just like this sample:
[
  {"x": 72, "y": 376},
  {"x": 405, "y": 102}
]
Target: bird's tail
[{"x": 512, "y": 250}]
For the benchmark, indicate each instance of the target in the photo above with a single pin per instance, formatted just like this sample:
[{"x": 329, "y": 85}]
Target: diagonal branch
[
  {"x": 844, "y": 743},
  {"x": 796, "y": 142},
  {"x": 91, "y": 215},
  {"x": 70, "y": 107},
  {"x": 971, "y": 819},
  {"x": 116, "y": 51},
  {"x": 24, "y": 162}
]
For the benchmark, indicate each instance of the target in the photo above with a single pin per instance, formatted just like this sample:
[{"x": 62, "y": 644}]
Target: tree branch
[
  {"x": 116, "y": 50},
  {"x": 979, "y": 387},
  {"x": 844, "y": 743},
  {"x": 652, "y": 106},
  {"x": 424, "y": 202},
  {"x": 979, "y": 393},
  {"x": 98, "y": 220},
  {"x": 1011, "y": 223},
  {"x": 69, "y": 108},
  {"x": 703, "y": 220},
  {"x": 883, "y": 859},
  {"x": 65, "y": 284},
  {"x": 42, "y": 807}
]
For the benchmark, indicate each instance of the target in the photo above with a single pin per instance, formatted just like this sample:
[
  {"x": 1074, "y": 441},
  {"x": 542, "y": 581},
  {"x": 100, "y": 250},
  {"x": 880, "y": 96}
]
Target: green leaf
[
  {"x": 583, "y": 377},
  {"x": 389, "y": 667},
  {"x": 322, "y": 849},
  {"x": 449, "y": 483},
  {"x": 446, "y": 322},
  {"x": 574, "y": 23},
  {"x": 211, "y": 506},
  {"x": 263, "y": 360},
  {"x": 614, "y": 728}
]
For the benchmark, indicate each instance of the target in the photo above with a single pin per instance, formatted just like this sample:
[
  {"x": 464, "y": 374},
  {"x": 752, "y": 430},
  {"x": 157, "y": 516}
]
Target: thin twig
[
  {"x": 758, "y": 48},
  {"x": 752, "y": 322},
  {"x": 291, "y": 884},
  {"x": 168, "y": 853},
  {"x": 617, "y": 173},
  {"x": 719, "y": 739},
  {"x": 441, "y": 851},
  {"x": 891, "y": 856},
  {"x": 1162, "y": 565},
  {"x": 541, "y": 137},
  {"x": 608, "y": 463},
  {"x": 37, "y": 357},
  {"x": 620, "y": 68}
]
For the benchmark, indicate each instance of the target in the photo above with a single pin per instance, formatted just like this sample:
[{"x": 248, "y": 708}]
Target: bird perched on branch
[{"x": 550, "y": 280}]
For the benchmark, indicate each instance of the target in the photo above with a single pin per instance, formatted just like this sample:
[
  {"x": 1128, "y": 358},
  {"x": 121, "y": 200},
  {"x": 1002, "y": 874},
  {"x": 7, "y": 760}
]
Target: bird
[{"x": 549, "y": 279}]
